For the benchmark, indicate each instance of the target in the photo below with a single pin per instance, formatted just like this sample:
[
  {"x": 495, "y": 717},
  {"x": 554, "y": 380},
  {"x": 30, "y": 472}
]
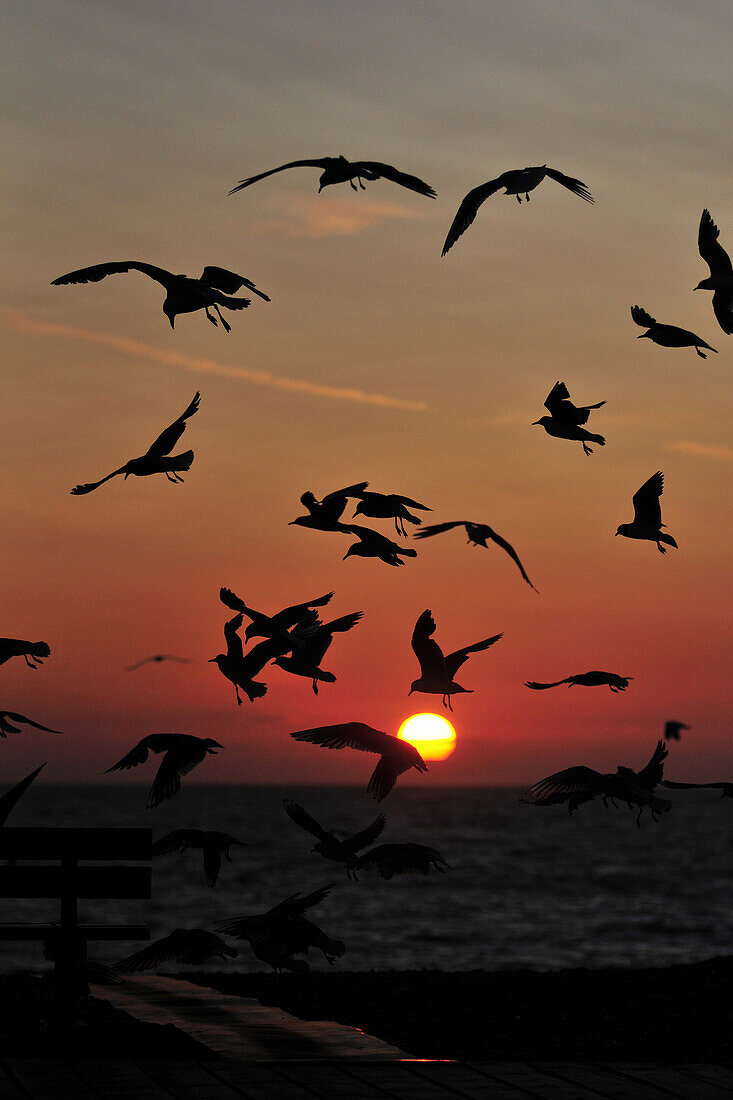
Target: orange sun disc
[{"x": 432, "y": 735}]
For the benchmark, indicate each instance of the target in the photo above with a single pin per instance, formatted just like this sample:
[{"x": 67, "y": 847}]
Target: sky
[{"x": 376, "y": 360}]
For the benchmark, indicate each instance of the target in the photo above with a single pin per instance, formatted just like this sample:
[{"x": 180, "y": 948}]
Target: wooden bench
[{"x": 66, "y": 940}]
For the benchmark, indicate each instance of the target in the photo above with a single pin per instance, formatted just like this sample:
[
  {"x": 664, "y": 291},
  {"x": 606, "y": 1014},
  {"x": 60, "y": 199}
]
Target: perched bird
[
  {"x": 305, "y": 659},
  {"x": 402, "y": 859},
  {"x": 720, "y": 280},
  {"x": 396, "y": 756},
  {"x": 389, "y": 506},
  {"x": 340, "y": 170},
  {"x": 182, "y": 753},
  {"x": 648, "y": 515},
  {"x": 340, "y": 851},
  {"x": 587, "y": 679},
  {"x": 183, "y": 294},
  {"x": 672, "y": 730},
  {"x": 479, "y": 534},
  {"x": 667, "y": 336},
  {"x": 581, "y": 784},
  {"x": 212, "y": 844},
  {"x": 11, "y": 797},
  {"x": 193, "y": 946},
  {"x": 241, "y": 668},
  {"x": 726, "y": 788},
  {"x": 9, "y": 716},
  {"x": 327, "y": 512},
  {"x": 565, "y": 419},
  {"x": 157, "y": 459},
  {"x": 437, "y": 670},
  {"x": 518, "y": 182},
  {"x": 372, "y": 544},
  {"x": 284, "y": 931},
  {"x": 157, "y": 659},
  {"x": 33, "y": 652},
  {"x": 275, "y": 626}
]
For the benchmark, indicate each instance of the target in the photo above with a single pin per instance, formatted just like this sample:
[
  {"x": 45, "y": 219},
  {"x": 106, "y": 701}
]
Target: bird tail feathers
[{"x": 181, "y": 462}]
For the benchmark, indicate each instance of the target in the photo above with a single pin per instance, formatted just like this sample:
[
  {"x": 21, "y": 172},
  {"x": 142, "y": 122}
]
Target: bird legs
[
  {"x": 224, "y": 324},
  {"x": 588, "y": 450},
  {"x": 353, "y": 185},
  {"x": 175, "y": 479},
  {"x": 526, "y": 198},
  {"x": 31, "y": 663},
  {"x": 447, "y": 705}
]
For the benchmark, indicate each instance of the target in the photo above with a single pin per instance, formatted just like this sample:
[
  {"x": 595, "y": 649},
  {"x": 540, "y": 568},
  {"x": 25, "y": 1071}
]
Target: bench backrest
[{"x": 68, "y": 846}]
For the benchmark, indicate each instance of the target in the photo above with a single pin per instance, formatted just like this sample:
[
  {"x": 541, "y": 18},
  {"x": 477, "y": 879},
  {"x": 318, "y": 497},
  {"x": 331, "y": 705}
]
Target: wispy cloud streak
[
  {"x": 312, "y": 216},
  {"x": 702, "y": 450},
  {"x": 20, "y": 321}
]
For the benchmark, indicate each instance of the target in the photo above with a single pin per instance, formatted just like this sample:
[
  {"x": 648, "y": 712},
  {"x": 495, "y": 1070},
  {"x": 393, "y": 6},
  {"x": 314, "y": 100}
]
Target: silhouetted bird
[
  {"x": 157, "y": 659},
  {"x": 275, "y": 626},
  {"x": 33, "y": 652},
  {"x": 389, "y": 506},
  {"x": 518, "y": 182},
  {"x": 726, "y": 788},
  {"x": 720, "y": 280},
  {"x": 182, "y": 753},
  {"x": 193, "y": 946},
  {"x": 437, "y": 671},
  {"x": 581, "y": 784},
  {"x": 284, "y": 931},
  {"x": 305, "y": 660},
  {"x": 340, "y": 851},
  {"x": 565, "y": 418},
  {"x": 327, "y": 512},
  {"x": 667, "y": 336},
  {"x": 183, "y": 294},
  {"x": 241, "y": 668},
  {"x": 587, "y": 679},
  {"x": 372, "y": 544},
  {"x": 157, "y": 459},
  {"x": 672, "y": 730},
  {"x": 9, "y": 716},
  {"x": 213, "y": 846},
  {"x": 479, "y": 534},
  {"x": 648, "y": 515},
  {"x": 396, "y": 756},
  {"x": 402, "y": 859},
  {"x": 340, "y": 170},
  {"x": 11, "y": 797}
]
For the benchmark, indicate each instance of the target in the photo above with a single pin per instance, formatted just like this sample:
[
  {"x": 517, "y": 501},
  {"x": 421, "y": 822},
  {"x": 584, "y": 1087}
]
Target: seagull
[
  {"x": 33, "y": 652},
  {"x": 306, "y": 659},
  {"x": 518, "y": 182},
  {"x": 437, "y": 670},
  {"x": 156, "y": 659},
  {"x": 565, "y": 418},
  {"x": 479, "y": 534},
  {"x": 726, "y": 788},
  {"x": 11, "y": 797},
  {"x": 193, "y": 946},
  {"x": 672, "y": 730},
  {"x": 402, "y": 859},
  {"x": 212, "y": 844},
  {"x": 275, "y": 626},
  {"x": 720, "y": 280},
  {"x": 340, "y": 851},
  {"x": 156, "y": 459},
  {"x": 396, "y": 756},
  {"x": 372, "y": 544},
  {"x": 182, "y": 753},
  {"x": 183, "y": 294},
  {"x": 648, "y": 515},
  {"x": 587, "y": 679},
  {"x": 667, "y": 336},
  {"x": 389, "y": 506},
  {"x": 241, "y": 668},
  {"x": 340, "y": 170},
  {"x": 327, "y": 512},
  {"x": 284, "y": 931},
  {"x": 9, "y": 716},
  {"x": 581, "y": 784}
]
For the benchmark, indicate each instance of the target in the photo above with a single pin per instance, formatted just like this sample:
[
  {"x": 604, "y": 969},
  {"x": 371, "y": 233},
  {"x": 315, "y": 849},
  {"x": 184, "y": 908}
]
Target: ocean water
[{"x": 529, "y": 888}]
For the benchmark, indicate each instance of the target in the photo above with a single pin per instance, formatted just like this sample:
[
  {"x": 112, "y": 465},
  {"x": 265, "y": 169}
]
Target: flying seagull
[
  {"x": 479, "y": 534},
  {"x": 241, "y": 668},
  {"x": 213, "y": 846},
  {"x": 340, "y": 851},
  {"x": 11, "y": 797},
  {"x": 517, "y": 182},
  {"x": 182, "y": 753},
  {"x": 667, "y": 336},
  {"x": 275, "y": 626},
  {"x": 587, "y": 679},
  {"x": 33, "y": 652},
  {"x": 284, "y": 931},
  {"x": 340, "y": 170},
  {"x": 326, "y": 513},
  {"x": 389, "y": 506},
  {"x": 183, "y": 294},
  {"x": 672, "y": 730},
  {"x": 437, "y": 671},
  {"x": 157, "y": 459},
  {"x": 193, "y": 946},
  {"x": 372, "y": 544},
  {"x": 305, "y": 660},
  {"x": 720, "y": 280},
  {"x": 157, "y": 659},
  {"x": 7, "y": 717},
  {"x": 565, "y": 418},
  {"x": 402, "y": 859},
  {"x": 726, "y": 788},
  {"x": 647, "y": 522},
  {"x": 396, "y": 756}
]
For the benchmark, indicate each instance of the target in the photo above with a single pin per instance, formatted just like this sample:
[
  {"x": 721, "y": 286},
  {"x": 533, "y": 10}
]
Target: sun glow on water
[{"x": 432, "y": 735}]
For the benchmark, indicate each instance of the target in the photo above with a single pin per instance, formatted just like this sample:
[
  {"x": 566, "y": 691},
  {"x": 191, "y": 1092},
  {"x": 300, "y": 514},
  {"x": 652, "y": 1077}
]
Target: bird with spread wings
[
  {"x": 340, "y": 170},
  {"x": 396, "y": 756}
]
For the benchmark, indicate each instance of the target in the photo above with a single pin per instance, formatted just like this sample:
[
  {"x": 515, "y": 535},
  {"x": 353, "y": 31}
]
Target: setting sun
[{"x": 432, "y": 735}]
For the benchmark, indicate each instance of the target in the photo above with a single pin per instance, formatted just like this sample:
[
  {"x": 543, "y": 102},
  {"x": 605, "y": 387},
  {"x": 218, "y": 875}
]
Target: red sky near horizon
[{"x": 375, "y": 360}]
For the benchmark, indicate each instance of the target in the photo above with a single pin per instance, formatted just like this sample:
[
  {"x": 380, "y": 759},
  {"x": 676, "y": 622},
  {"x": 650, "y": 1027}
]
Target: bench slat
[
  {"x": 88, "y": 931},
  {"x": 83, "y": 882},
  {"x": 52, "y": 843}
]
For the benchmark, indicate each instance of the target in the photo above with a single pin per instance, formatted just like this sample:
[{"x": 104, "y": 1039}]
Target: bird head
[
  {"x": 218, "y": 659},
  {"x": 414, "y": 686},
  {"x": 621, "y": 770},
  {"x": 169, "y": 312},
  {"x": 359, "y": 509},
  {"x": 622, "y": 528},
  {"x": 352, "y": 551},
  {"x": 211, "y": 746},
  {"x": 705, "y": 284},
  {"x": 323, "y": 182},
  {"x": 542, "y": 421},
  {"x": 644, "y": 336}
]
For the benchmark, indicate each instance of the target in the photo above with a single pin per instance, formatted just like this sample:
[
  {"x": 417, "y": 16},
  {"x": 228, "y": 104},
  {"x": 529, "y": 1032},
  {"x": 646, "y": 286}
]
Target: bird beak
[
  {"x": 615, "y": 533},
  {"x": 211, "y": 660},
  {"x": 320, "y": 188},
  {"x": 535, "y": 423}
]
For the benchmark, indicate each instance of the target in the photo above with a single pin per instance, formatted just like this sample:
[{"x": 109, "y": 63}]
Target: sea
[{"x": 528, "y": 887}]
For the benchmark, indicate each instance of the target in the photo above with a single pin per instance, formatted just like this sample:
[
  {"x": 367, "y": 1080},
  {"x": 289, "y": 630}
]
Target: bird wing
[
  {"x": 232, "y": 600},
  {"x": 321, "y": 163},
  {"x": 410, "y": 503},
  {"x": 136, "y": 756},
  {"x": 295, "y": 905},
  {"x": 234, "y": 642},
  {"x": 349, "y": 735},
  {"x": 469, "y": 208},
  {"x": 255, "y": 659},
  {"x": 402, "y": 859},
  {"x": 26, "y": 721},
  {"x": 710, "y": 247},
  {"x": 366, "y": 836},
  {"x": 723, "y": 310},
  {"x": 9, "y": 799},
  {"x": 228, "y": 281},
  {"x": 212, "y": 863},
  {"x": 555, "y": 398},
  {"x": 647, "y": 509},
  {"x": 568, "y": 781},
  {"x": 387, "y": 772},
  {"x": 509, "y": 549},
  {"x": 98, "y": 272},
  {"x": 90, "y": 486},
  {"x": 167, "y": 440},
  {"x": 453, "y": 661},
  {"x": 297, "y": 814},
  {"x": 427, "y": 651},
  {"x": 349, "y": 491},
  {"x": 413, "y": 183},
  {"x": 438, "y": 528},
  {"x": 651, "y": 775},
  {"x": 291, "y": 615},
  {"x": 176, "y": 763},
  {"x": 177, "y": 841},
  {"x": 641, "y": 317},
  {"x": 537, "y": 686},
  {"x": 576, "y": 186}
]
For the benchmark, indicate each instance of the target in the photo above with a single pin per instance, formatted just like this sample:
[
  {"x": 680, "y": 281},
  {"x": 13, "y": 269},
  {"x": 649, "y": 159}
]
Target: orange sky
[{"x": 376, "y": 360}]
